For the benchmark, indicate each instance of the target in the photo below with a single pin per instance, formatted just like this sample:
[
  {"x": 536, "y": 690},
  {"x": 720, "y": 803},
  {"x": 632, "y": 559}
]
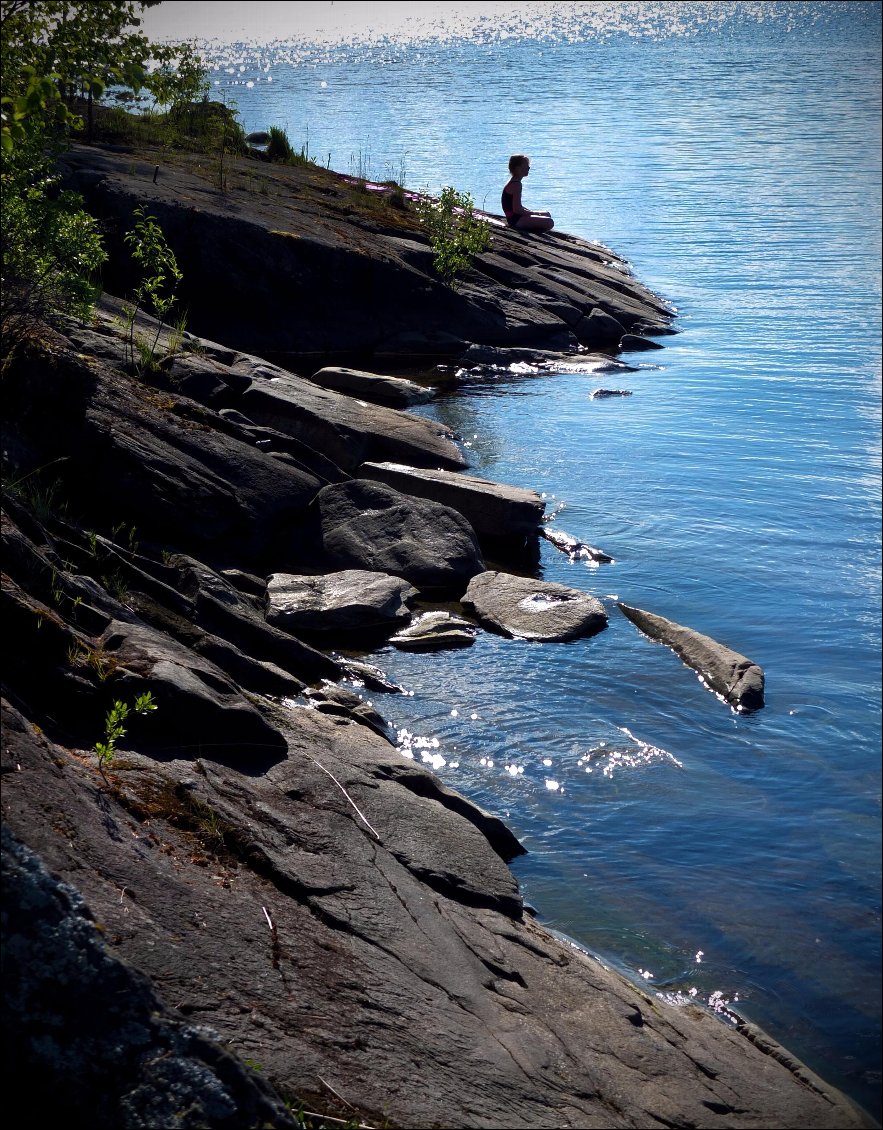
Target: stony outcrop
[
  {"x": 735, "y": 679},
  {"x": 262, "y": 876},
  {"x": 533, "y": 610},
  {"x": 324, "y": 248}
]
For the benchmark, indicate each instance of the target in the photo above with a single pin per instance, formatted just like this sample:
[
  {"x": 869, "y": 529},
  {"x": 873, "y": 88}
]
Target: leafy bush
[
  {"x": 51, "y": 247},
  {"x": 455, "y": 234}
]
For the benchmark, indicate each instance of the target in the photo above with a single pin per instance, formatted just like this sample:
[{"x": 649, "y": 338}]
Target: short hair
[{"x": 515, "y": 160}]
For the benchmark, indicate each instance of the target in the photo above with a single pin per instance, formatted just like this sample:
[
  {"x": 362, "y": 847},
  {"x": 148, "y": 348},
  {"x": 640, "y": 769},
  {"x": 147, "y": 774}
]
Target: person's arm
[{"x": 518, "y": 208}]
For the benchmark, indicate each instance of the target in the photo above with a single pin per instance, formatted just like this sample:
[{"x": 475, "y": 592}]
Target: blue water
[{"x": 736, "y": 164}]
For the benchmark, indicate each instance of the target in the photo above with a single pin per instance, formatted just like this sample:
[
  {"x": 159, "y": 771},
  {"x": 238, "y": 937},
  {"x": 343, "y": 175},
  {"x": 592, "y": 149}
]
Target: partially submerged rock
[
  {"x": 534, "y": 610},
  {"x": 349, "y": 600},
  {"x": 603, "y": 393},
  {"x": 575, "y": 549},
  {"x": 435, "y": 631},
  {"x": 737, "y": 680},
  {"x": 368, "y": 525}
]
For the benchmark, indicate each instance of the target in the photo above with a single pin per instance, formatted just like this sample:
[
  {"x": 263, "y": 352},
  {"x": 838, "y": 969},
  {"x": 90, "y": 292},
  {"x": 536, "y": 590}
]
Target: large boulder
[
  {"x": 350, "y": 600},
  {"x": 532, "y": 609},
  {"x": 737, "y": 680},
  {"x": 368, "y": 525},
  {"x": 497, "y": 512}
]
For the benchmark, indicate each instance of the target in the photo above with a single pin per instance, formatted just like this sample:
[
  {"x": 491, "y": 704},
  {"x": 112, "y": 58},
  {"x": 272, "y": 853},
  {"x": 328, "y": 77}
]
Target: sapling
[
  {"x": 456, "y": 235},
  {"x": 114, "y": 727},
  {"x": 156, "y": 291}
]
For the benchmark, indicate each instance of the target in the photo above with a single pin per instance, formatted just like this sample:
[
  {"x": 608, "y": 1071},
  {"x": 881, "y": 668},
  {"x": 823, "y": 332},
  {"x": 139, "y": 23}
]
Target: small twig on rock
[
  {"x": 336, "y": 1121},
  {"x": 336, "y": 1094},
  {"x": 268, "y": 918},
  {"x": 358, "y": 811}
]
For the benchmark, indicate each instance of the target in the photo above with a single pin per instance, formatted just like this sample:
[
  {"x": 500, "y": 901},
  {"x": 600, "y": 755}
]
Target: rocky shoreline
[{"x": 256, "y": 898}]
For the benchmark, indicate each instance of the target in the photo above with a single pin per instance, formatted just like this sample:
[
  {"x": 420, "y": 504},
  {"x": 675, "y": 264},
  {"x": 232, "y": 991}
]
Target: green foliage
[
  {"x": 114, "y": 727},
  {"x": 160, "y": 275},
  {"x": 455, "y": 234},
  {"x": 57, "y": 59},
  {"x": 279, "y": 147},
  {"x": 51, "y": 247}
]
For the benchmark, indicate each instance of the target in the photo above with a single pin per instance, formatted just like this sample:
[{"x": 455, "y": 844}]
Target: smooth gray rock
[
  {"x": 348, "y": 916},
  {"x": 435, "y": 631},
  {"x": 352, "y": 599},
  {"x": 737, "y": 680},
  {"x": 368, "y": 525},
  {"x": 496, "y": 511},
  {"x": 396, "y": 392},
  {"x": 533, "y": 610}
]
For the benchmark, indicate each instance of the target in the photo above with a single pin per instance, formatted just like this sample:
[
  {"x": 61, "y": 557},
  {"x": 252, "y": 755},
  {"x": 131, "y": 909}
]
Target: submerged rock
[
  {"x": 737, "y": 680},
  {"x": 435, "y": 631},
  {"x": 533, "y": 610},
  {"x": 601, "y": 393},
  {"x": 573, "y": 548}
]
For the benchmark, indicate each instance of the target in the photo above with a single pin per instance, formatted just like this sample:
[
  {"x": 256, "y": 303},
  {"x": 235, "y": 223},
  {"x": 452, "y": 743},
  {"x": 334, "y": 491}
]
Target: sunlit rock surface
[
  {"x": 738, "y": 680},
  {"x": 352, "y": 599},
  {"x": 532, "y": 609}
]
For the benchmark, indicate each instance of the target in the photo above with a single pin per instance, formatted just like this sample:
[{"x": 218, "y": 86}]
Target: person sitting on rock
[{"x": 517, "y": 216}]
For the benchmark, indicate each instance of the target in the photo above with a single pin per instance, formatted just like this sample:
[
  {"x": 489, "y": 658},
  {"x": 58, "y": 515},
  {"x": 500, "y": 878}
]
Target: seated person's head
[{"x": 516, "y": 161}]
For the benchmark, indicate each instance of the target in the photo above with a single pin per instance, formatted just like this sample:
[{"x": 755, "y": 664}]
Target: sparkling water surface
[{"x": 732, "y": 154}]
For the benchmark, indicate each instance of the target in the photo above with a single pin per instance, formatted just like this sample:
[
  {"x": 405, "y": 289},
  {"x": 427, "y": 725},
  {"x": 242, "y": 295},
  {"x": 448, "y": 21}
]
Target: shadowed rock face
[
  {"x": 133, "y": 1063},
  {"x": 497, "y": 512},
  {"x": 368, "y": 525},
  {"x": 737, "y": 680},
  {"x": 312, "y": 269},
  {"x": 532, "y": 609}
]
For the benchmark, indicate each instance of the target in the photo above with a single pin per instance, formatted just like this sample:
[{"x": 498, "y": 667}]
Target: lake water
[{"x": 731, "y": 153}]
